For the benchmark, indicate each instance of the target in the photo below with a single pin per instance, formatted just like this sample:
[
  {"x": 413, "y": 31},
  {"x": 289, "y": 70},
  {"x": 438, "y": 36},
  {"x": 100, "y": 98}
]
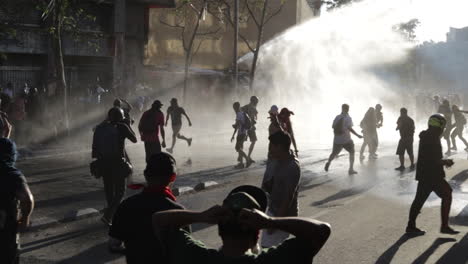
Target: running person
[
  {"x": 343, "y": 127},
  {"x": 460, "y": 122},
  {"x": 430, "y": 175},
  {"x": 240, "y": 127},
  {"x": 175, "y": 112},
  {"x": 251, "y": 111}
]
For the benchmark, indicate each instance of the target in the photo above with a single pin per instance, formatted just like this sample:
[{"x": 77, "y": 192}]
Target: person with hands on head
[
  {"x": 13, "y": 189},
  {"x": 240, "y": 219},
  {"x": 430, "y": 175}
]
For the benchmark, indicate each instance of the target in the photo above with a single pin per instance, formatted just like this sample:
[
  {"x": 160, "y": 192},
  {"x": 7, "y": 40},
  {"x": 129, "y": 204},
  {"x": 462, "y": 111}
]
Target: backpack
[
  {"x": 338, "y": 127},
  {"x": 247, "y": 121},
  {"x": 147, "y": 122},
  {"x": 106, "y": 142}
]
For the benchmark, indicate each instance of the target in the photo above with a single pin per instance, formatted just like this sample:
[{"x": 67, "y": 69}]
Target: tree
[
  {"x": 408, "y": 29},
  {"x": 260, "y": 12},
  {"x": 62, "y": 17},
  {"x": 11, "y": 13},
  {"x": 187, "y": 19}
]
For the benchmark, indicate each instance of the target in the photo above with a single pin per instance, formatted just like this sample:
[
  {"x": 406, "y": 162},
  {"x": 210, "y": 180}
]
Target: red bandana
[{"x": 165, "y": 190}]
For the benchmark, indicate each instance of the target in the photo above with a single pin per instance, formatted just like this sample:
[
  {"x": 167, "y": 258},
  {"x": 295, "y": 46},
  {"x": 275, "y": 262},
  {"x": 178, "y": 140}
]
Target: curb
[{"x": 74, "y": 215}]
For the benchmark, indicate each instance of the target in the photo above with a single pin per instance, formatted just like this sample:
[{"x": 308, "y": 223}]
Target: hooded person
[
  {"x": 13, "y": 189},
  {"x": 430, "y": 175},
  {"x": 132, "y": 220},
  {"x": 240, "y": 219}
]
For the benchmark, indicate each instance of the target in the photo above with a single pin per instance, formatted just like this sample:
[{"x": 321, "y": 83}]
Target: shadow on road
[
  {"x": 96, "y": 195},
  {"x": 344, "y": 194},
  {"x": 45, "y": 242},
  {"x": 388, "y": 255},
  {"x": 458, "y": 253},
  {"x": 426, "y": 254}
]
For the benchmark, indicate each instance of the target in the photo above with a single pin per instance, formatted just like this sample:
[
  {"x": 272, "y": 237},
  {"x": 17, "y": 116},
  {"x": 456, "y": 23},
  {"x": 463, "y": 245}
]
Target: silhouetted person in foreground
[
  {"x": 281, "y": 182},
  {"x": 369, "y": 132},
  {"x": 251, "y": 111},
  {"x": 460, "y": 122},
  {"x": 132, "y": 222},
  {"x": 406, "y": 127},
  {"x": 430, "y": 175},
  {"x": 342, "y": 128},
  {"x": 240, "y": 219},
  {"x": 109, "y": 150},
  {"x": 14, "y": 190},
  {"x": 175, "y": 112}
]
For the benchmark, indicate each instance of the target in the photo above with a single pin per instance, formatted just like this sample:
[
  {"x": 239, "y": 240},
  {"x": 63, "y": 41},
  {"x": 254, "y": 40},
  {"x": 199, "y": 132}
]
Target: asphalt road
[{"x": 368, "y": 212}]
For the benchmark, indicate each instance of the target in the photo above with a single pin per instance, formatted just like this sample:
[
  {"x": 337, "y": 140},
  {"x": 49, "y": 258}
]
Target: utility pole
[{"x": 236, "y": 41}]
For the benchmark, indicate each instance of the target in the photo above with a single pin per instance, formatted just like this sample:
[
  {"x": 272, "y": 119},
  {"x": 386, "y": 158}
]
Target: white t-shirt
[
  {"x": 241, "y": 127},
  {"x": 345, "y": 137}
]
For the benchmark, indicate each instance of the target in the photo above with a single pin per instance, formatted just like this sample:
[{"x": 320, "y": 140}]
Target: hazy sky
[{"x": 437, "y": 16}]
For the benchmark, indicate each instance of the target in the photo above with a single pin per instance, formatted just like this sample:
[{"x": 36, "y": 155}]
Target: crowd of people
[{"x": 254, "y": 222}]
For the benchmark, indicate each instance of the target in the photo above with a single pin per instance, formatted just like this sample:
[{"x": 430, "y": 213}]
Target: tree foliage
[{"x": 408, "y": 29}]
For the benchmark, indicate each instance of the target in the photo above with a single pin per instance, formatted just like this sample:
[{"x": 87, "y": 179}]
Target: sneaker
[
  {"x": 327, "y": 165},
  {"x": 248, "y": 163},
  {"x": 412, "y": 167},
  {"x": 169, "y": 150},
  {"x": 239, "y": 166},
  {"x": 373, "y": 156},
  {"x": 448, "y": 230},
  {"x": 414, "y": 230},
  {"x": 189, "y": 141},
  {"x": 352, "y": 172},
  {"x": 454, "y": 148},
  {"x": 448, "y": 152},
  {"x": 362, "y": 157},
  {"x": 401, "y": 168}
]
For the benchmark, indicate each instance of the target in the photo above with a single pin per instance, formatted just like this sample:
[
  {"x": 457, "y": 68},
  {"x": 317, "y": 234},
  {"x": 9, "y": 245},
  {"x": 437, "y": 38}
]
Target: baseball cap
[
  {"x": 246, "y": 196},
  {"x": 157, "y": 103}
]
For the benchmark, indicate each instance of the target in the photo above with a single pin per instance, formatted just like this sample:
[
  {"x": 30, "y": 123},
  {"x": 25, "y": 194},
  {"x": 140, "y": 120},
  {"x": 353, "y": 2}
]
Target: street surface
[{"x": 368, "y": 212}]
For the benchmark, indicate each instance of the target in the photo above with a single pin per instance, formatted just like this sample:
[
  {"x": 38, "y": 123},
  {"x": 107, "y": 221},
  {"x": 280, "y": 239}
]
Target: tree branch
[
  {"x": 252, "y": 14},
  {"x": 274, "y": 14}
]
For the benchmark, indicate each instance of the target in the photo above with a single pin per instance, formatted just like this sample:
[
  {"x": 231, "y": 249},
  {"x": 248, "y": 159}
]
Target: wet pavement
[{"x": 367, "y": 211}]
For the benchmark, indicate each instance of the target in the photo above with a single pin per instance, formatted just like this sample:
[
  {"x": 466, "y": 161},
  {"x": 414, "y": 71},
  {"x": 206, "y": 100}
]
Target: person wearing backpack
[
  {"x": 251, "y": 111},
  {"x": 151, "y": 123},
  {"x": 342, "y": 128},
  {"x": 113, "y": 166},
  {"x": 460, "y": 122},
  {"x": 13, "y": 190},
  {"x": 242, "y": 125}
]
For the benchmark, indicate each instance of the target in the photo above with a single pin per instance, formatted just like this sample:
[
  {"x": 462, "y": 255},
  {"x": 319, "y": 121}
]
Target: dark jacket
[{"x": 429, "y": 165}]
